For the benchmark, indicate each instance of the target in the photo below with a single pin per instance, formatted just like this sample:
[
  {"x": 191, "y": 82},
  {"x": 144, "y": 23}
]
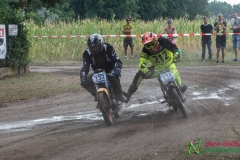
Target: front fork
[
  {"x": 111, "y": 97},
  {"x": 166, "y": 90}
]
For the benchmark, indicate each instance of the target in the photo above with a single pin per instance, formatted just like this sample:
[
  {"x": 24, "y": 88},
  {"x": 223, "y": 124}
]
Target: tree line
[
  {"x": 223, "y": 8},
  {"x": 68, "y": 10}
]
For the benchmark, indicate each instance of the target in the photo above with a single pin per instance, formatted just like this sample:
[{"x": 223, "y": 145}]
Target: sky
[{"x": 232, "y": 2}]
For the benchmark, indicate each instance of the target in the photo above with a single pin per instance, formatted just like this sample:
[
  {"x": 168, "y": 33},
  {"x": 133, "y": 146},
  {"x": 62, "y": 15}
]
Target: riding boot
[
  {"x": 183, "y": 88},
  {"x": 133, "y": 88},
  {"x": 122, "y": 97}
]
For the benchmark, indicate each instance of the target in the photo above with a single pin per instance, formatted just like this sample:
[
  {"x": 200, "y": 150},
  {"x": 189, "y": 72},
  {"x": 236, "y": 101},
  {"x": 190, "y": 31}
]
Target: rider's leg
[
  {"x": 174, "y": 70},
  {"x": 117, "y": 88},
  {"x": 135, "y": 84},
  {"x": 90, "y": 88},
  {"x": 137, "y": 81}
]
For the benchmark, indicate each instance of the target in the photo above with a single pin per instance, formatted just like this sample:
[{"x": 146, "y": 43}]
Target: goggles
[
  {"x": 95, "y": 49},
  {"x": 150, "y": 45}
]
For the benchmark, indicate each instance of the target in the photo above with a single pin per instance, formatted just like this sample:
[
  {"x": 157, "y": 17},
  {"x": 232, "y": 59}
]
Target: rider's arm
[
  {"x": 165, "y": 43},
  {"x": 143, "y": 62},
  {"x": 113, "y": 56},
  {"x": 86, "y": 64}
]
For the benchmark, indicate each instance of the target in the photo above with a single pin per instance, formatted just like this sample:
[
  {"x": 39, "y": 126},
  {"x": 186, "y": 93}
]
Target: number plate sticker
[
  {"x": 167, "y": 77},
  {"x": 98, "y": 78}
]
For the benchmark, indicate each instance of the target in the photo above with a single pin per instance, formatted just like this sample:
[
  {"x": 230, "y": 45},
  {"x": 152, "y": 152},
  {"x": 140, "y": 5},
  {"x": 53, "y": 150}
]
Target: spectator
[
  {"x": 170, "y": 30},
  {"x": 235, "y": 22},
  {"x": 206, "y": 39},
  {"x": 220, "y": 27},
  {"x": 128, "y": 41}
]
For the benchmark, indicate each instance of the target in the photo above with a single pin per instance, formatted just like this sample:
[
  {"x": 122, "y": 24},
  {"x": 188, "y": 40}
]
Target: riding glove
[
  {"x": 175, "y": 57},
  {"x": 117, "y": 71}
]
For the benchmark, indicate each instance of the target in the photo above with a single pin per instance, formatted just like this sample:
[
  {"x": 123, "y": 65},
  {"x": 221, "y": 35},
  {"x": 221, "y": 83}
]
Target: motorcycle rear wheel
[
  {"x": 105, "y": 108},
  {"x": 179, "y": 102}
]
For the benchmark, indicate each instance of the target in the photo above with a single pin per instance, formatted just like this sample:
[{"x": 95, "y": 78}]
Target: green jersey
[
  {"x": 127, "y": 27},
  {"x": 163, "y": 57}
]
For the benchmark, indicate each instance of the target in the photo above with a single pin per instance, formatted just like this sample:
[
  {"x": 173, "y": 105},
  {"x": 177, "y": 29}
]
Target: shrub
[{"x": 17, "y": 46}]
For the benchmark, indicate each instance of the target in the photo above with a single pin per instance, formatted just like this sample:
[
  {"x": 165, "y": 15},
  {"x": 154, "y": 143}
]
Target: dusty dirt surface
[{"x": 68, "y": 126}]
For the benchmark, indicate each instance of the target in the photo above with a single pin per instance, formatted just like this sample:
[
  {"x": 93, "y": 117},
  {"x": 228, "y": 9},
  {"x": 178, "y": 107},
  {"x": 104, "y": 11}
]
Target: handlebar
[
  {"x": 165, "y": 70},
  {"x": 103, "y": 70}
]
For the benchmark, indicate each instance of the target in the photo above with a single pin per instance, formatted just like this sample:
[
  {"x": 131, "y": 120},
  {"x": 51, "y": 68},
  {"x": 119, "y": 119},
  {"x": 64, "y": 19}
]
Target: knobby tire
[
  {"x": 179, "y": 102},
  {"x": 105, "y": 108}
]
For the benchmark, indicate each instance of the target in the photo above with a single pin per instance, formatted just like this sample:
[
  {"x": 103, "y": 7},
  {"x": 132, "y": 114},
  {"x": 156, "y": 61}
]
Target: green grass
[{"x": 35, "y": 85}]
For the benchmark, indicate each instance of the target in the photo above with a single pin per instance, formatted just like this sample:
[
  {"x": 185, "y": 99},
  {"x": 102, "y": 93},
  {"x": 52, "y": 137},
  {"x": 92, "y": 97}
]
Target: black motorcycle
[
  {"x": 107, "y": 101},
  {"x": 171, "y": 92}
]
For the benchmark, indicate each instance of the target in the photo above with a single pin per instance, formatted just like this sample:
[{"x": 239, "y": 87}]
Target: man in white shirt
[{"x": 235, "y": 22}]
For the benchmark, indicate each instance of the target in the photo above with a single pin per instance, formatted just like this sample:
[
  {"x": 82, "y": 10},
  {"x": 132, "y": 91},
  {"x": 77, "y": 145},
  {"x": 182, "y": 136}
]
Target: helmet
[
  {"x": 149, "y": 41},
  {"x": 95, "y": 43}
]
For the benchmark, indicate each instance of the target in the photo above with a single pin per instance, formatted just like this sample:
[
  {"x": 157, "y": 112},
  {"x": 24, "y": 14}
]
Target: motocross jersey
[
  {"x": 165, "y": 55},
  {"x": 106, "y": 59}
]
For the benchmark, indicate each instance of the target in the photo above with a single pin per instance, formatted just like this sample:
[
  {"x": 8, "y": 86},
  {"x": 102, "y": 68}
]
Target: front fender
[{"x": 103, "y": 90}]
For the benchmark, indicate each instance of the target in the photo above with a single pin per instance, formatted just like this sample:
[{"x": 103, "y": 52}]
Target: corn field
[{"x": 71, "y": 49}]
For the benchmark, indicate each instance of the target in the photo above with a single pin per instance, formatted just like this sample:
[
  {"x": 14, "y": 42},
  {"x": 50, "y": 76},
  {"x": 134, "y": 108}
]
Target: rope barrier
[{"x": 138, "y": 35}]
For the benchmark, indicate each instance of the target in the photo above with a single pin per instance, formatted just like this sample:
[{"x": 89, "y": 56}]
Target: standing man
[
  {"x": 220, "y": 27},
  {"x": 128, "y": 41},
  {"x": 235, "y": 22},
  {"x": 206, "y": 39},
  {"x": 170, "y": 29}
]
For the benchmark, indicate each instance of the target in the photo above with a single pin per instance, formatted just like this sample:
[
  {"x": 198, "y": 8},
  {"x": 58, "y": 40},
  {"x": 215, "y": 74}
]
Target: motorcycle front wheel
[
  {"x": 105, "y": 108},
  {"x": 179, "y": 102}
]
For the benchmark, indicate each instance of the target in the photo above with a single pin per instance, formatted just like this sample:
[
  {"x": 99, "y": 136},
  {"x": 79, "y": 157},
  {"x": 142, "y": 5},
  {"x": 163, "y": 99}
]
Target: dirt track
[{"x": 68, "y": 126}]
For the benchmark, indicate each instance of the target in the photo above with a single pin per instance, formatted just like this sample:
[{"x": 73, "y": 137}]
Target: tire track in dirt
[{"x": 146, "y": 131}]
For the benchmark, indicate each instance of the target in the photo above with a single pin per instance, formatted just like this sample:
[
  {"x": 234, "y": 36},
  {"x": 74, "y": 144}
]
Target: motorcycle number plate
[
  {"x": 167, "y": 77},
  {"x": 98, "y": 78}
]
